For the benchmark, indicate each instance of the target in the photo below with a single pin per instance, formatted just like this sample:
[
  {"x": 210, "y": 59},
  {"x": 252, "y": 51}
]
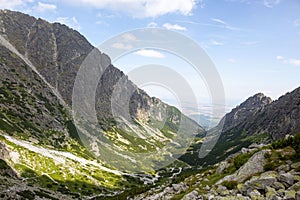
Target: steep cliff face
[
  {"x": 280, "y": 118},
  {"x": 246, "y": 110}
]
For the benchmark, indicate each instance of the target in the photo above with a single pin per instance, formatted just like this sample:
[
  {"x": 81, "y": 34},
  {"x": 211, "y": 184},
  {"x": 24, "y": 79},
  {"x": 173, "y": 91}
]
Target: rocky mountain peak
[
  {"x": 256, "y": 100},
  {"x": 245, "y": 110}
]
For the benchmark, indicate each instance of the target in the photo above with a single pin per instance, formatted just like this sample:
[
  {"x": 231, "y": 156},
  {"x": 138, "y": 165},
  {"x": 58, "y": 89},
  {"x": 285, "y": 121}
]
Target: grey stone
[
  {"x": 206, "y": 187},
  {"x": 254, "y": 165},
  {"x": 297, "y": 197},
  {"x": 289, "y": 195},
  {"x": 278, "y": 185},
  {"x": 194, "y": 195},
  {"x": 295, "y": 165},
  {"x": 295, "y": 187},
  {"x": 286, "y": 178}
]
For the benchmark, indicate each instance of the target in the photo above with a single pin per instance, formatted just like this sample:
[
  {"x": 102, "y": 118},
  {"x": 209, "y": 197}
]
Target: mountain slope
[
  {"x": 39, "y": 62},
  {"x": 257, "y": 120},
  {"x": 55, "y": 52}
]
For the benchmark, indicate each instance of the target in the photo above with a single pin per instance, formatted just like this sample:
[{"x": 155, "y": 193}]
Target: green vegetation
[
  {"x": 292, "y": 141},
  {"x": 3, "y": 165},
  {"x": 66, "y": 176},
  {"x": 229, "y": 184},
  {"x": 27, "y": 194},
  {"x": 241, "y": 159}
]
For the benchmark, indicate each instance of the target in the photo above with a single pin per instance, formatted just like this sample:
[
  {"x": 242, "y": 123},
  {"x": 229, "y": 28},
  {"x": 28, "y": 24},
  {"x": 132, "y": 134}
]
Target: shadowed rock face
[
  {"x": 246, "y": 110},
  {"x": 259, "y": 114},
  {"x": 280, "y": 118}
]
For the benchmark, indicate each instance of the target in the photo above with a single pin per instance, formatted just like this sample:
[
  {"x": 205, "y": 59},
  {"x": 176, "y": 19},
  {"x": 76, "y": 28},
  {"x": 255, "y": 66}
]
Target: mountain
[
  {"x": 257, "y": 120},
  {"x": 245, "y": 110},
  {"x": 256, "y": 157},
  {"x": 203, "y": 120},
  {"x": 45, "y": 150}
]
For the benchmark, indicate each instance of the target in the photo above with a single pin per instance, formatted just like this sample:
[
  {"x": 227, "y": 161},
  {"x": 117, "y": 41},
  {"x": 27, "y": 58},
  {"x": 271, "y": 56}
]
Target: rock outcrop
[{"x": 254, "y": 165}]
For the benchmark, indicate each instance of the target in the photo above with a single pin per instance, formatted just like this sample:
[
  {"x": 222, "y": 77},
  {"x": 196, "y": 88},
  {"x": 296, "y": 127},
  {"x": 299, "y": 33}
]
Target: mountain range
[{"x": 43, "y": 153}]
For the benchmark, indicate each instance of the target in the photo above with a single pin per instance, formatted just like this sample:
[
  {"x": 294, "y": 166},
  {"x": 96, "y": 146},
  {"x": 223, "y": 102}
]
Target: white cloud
[
  {"x": 289, "y": 61},
  {"x": 216, "y": 43},
  {"x": 69, "y": 21},
  {"x": 271, "y": 3},
  {"x": 223, "y": 24},
  {"x": 280, "y": 58},
  {"x": 152, "y": 25},
  {"x": 141, "y": 8},
  {"x": 122, "y": 46},
  {"x": 149, "y": 53},
  {"x": 11, "y": 4},
  {"x": 294, "y": 62},
  {"x": 174, "y": 27},
  {"x": 219, "y": 21},
  {"x": 42, "y": 7}
]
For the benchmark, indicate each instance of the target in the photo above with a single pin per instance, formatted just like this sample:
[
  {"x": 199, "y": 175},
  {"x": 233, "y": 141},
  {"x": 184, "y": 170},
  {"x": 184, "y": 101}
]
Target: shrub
[
  {"x": 269, "y": 166},
  {"x": 240, "y": 160},
  {"x": 229, "y": 184},
  {"x": 294, "y": 142}
]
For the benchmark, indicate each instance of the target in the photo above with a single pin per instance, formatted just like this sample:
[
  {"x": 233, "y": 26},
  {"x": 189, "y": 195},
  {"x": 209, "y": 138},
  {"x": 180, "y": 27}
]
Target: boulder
[
  {"x": 295, "y": 187},
  {"x": 286, "y": 178},
  {"x": 295, "y": 165},
  {"x": 206, "y": 187},
  {"x": 254, "y": 165},
  {"x": 283, "y": 168},
  {"x": 290, "y": 195},
  {"x": 194, "y": 195},
  {"x": 271, "y": 194},
  {"x": 261, "y": 182},
  {"x": 278, "y": 185},
  {"x": 254, "y": 194}
]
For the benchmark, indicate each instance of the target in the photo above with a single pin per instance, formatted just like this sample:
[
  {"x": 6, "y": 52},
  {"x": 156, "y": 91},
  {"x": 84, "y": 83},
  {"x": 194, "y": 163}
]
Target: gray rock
[
  {"x": 286, "y": 178},
  {"x": 262, "y": 182},
  {"x": 297, "y": 197},
  {"x": 271, "y": 194},
  {"x": 254, "y": 194},
  {"x": 295, "y": 165},
  {"x": 284, "y": 168},
  {"x": 278, "y": 185},
  {"x": 254, "y": 165},
  {"x": 295, "y": 187},
  {"x": 221, "y": 188},
  {"x": 179, "y": 187},
  {"x": 289, "y": 195},
  {"x": 206, "y": 187},
  {"x": 194, "y": 195},
  {"x": 223, "y": 165},
  {"x": 211, "y": 197}
]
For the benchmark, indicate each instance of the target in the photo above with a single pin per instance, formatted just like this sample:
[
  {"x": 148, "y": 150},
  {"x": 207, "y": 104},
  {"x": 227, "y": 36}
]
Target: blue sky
[{"x": 255, "y": 44}]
